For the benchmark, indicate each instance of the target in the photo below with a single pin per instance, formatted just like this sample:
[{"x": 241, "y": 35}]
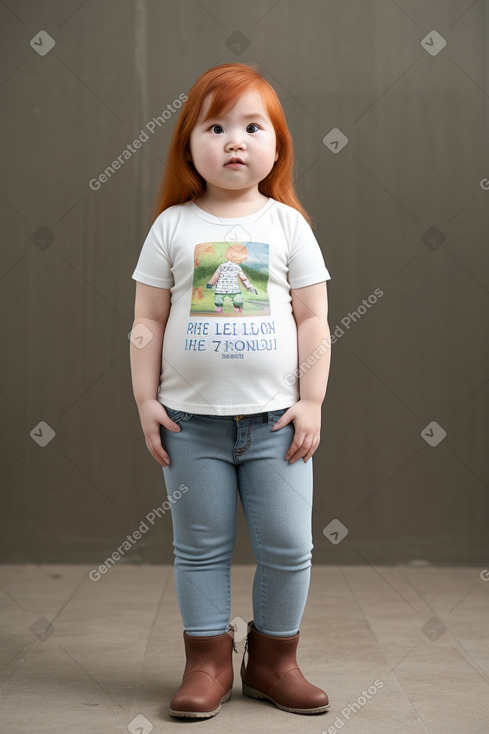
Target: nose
[{"x": 235, "y": 142}]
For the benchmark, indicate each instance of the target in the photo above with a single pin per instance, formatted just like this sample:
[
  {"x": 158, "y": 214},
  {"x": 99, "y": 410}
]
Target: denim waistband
[{"x": 263, "y": 415}]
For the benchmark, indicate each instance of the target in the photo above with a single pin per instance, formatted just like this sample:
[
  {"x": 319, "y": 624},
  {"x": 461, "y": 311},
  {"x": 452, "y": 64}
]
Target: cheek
[
  {"x": 206, "y": 157},
  {"x": 268, "y": 147}
]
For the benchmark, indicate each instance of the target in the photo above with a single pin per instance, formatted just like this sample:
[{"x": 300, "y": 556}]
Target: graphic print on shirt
[{"x": 230, "y": 279}]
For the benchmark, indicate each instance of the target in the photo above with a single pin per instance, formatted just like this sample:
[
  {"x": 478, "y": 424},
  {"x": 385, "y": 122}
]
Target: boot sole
[
  {"x": 254, "y": 693},
  {"x": 202, "y": 714}
]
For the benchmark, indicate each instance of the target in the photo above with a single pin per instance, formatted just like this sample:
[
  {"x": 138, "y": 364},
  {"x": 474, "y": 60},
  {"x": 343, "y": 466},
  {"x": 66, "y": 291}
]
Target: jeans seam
[
  {"x": 239, "y": 452},
  {"x": 260, "y": 560}
]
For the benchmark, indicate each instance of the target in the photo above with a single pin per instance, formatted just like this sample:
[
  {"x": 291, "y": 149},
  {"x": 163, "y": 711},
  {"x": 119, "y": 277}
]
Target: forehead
[{"x": 249, "y": 102}]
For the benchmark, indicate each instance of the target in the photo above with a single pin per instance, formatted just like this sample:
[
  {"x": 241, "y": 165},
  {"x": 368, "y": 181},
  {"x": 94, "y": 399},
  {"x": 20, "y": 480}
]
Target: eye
[
  {"x": 219, "y": 126},
  {"x": 252, "y": 124}
]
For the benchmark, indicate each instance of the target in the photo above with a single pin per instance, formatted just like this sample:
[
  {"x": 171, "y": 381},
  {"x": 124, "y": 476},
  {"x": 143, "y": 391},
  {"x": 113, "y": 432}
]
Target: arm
[
  {"x": 246, "y": 282},
  {"x": 215, "y": 277},
  {"x": 151, "y": 310},
  {"x": 310, "y": 310}
]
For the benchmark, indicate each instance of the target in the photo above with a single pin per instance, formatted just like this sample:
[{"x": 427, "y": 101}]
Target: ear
[{"x": 276, "y": 155}]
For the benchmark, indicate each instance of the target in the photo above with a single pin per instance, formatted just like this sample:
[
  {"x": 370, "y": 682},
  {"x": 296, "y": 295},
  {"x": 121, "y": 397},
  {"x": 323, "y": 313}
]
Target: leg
[
  {"x": 277, "y": 502},
  {"x": 237, "y": 299},
  {"x": 277, "y": 499},
  {"x": 203, "y": 518}
]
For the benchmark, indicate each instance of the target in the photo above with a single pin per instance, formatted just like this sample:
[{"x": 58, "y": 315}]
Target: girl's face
[{"x": 245, "y": 132}]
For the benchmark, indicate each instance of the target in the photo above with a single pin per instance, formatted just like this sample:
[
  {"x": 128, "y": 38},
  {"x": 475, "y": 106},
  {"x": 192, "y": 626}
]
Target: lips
[{"x": 234, "y": 160}]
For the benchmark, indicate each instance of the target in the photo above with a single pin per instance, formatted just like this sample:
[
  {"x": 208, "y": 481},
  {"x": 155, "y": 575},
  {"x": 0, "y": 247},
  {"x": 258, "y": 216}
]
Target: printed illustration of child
[{"x": 226, "y": 279}]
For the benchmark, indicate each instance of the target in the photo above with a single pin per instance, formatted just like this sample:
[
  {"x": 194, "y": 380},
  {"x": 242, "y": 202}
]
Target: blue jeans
[{"x": 212, "y": 459}]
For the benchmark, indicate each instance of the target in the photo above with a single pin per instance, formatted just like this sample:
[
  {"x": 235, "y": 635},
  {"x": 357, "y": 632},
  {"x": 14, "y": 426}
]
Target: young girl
[{"x": 230, "y": 300}]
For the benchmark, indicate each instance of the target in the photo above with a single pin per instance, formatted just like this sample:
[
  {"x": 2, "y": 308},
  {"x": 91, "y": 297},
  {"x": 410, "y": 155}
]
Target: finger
[
  {"x": 157, "y": 456},
  {"x": 282, "y": 421},
  {"x": 309, "y": 454},
  {"x": 301, "y": 451},
  {"x": 314, "y": 445},
  {"x": 160, "y": 461},
  {"x": 295, "y": 445},
  {"x": 160, "y": 449},
  {"x": 172, "y": 426},
  {"x": 298, "y": 455},
  {"x": 161, "y": 456},
  {"x": 292, "y": 449},
  {"x": 157, "y": 451}
]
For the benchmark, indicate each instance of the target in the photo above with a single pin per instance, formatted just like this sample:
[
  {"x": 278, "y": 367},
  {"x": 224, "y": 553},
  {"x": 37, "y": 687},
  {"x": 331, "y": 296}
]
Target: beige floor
[{"x": 414, "y": 639}]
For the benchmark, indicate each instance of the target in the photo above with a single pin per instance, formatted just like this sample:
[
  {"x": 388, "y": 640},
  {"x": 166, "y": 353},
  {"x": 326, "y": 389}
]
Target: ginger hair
[{"x": 181, "y": 182}]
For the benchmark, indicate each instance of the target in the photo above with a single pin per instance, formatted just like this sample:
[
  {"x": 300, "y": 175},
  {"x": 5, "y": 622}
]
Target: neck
[
  {"x": 226, "y": 203},
  {"x": 218, "y": 195}
]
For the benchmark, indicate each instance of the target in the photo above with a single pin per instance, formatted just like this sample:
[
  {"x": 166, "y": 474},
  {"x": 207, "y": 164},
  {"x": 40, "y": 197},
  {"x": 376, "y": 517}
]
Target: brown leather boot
[
  {"x": 272, "y": 673},
  {"x": 207, "y": 678}
]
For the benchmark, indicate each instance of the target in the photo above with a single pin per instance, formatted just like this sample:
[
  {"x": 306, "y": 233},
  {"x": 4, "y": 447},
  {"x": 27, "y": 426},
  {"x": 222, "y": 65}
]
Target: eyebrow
[
  {"x": 251, "y": 115},
  {"x": 254, "y": 114}
]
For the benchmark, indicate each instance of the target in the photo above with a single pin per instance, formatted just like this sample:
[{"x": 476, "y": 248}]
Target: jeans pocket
[
  {"x": 274, "y": 415},
  {"x": 177, "y": 415}
]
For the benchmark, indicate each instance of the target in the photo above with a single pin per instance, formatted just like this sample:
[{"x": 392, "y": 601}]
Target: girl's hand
[
  {"x": 152, "y": 414},
  {"x": 306, "y": 415}
]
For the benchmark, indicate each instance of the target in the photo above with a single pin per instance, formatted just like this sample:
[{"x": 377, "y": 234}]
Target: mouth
[{"x": 234, "y": 162}]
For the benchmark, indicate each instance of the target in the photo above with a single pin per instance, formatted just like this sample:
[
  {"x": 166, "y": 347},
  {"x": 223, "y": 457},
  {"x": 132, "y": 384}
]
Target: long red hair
[{"x": 181, "y": 182}]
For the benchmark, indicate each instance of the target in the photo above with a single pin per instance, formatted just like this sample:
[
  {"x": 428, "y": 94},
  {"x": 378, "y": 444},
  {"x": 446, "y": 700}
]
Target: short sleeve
[
  {"x": 306, "y": 263},
  {"x": 154, "y": 264}
]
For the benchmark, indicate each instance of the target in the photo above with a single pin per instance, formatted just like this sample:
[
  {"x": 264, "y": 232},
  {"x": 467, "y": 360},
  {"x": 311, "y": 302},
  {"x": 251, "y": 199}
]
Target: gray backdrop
[{"x": 388, "y": 106}]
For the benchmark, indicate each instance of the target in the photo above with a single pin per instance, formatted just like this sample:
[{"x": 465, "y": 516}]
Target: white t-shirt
[{"x": 230, "y": 343}]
